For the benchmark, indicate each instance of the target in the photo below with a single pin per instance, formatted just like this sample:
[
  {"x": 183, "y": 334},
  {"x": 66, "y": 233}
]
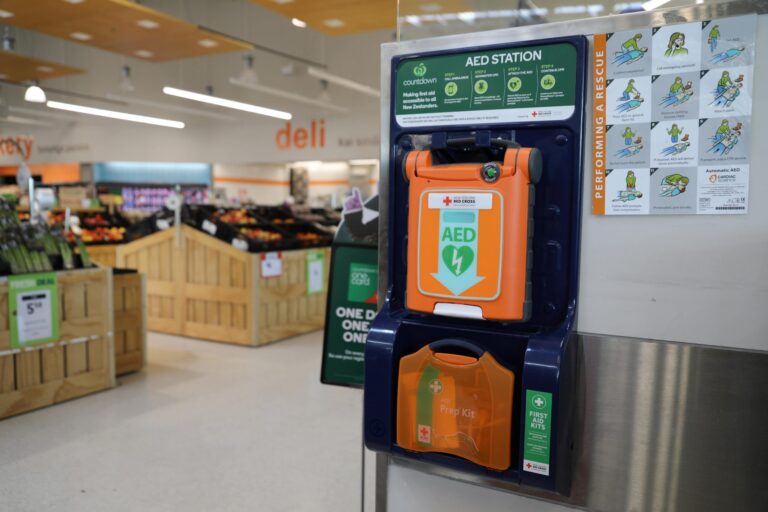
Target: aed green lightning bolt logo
[{"x": 420, "y": 69}]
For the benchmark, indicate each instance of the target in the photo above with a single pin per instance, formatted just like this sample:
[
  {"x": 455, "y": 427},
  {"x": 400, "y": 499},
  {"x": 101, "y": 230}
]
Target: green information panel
[
  {"x": 523, "y": 84},
  {"x": 538, "y": 431},
  {"x": 351, "y": 309},
  {"x": 33, "y": 306}
]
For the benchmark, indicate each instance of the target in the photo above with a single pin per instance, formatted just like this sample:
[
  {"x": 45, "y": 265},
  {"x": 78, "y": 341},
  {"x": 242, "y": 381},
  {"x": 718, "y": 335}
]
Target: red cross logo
[
  {"x": 534, "y": 114},
  {"x": 425, "y": 434},
  {"x": 447, "y": 201},
  {"x": 529, "y": 466}
]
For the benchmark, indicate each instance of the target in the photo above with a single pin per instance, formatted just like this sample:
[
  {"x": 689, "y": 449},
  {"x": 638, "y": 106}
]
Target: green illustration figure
[
  {"x": 676, "y": 86},
  {"x": 724, "y": 82},
  {"x": 674, "y": 185},
  {"x": 676, "y": 46},
  {"x": 629, "y": 90},
  {"x": 631, "y": 43},
  {"x": 631, "y": 180},
  {"x": 723, "y": 131},
  {"x": 674, "y": 132},
  {"x": 628, "y": 136},
  {"x": 714, "y": 34}
]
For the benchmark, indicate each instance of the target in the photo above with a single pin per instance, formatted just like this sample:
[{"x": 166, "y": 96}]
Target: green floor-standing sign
[
  {"x": 351, "y": 308},
  {"x": 33, "y": 306}
]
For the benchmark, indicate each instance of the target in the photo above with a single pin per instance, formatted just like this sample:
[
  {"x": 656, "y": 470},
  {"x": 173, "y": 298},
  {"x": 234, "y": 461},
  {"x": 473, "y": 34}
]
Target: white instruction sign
[{"x": 315, "y": 272}]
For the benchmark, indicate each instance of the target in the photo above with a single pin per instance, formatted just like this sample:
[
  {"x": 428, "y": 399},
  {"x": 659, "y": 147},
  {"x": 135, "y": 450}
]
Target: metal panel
[{"x": 666, "y": 426}]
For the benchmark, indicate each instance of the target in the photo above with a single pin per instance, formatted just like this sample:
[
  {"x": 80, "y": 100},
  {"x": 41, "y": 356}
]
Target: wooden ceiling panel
[
  {"x": 114, "y": 25},
  {"x": 356, "y": 15},
  {"x": 18, "y": 68}
]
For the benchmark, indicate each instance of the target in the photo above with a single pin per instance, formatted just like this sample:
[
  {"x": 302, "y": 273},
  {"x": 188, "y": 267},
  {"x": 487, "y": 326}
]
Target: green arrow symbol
[{"x": 457, "y": 267}]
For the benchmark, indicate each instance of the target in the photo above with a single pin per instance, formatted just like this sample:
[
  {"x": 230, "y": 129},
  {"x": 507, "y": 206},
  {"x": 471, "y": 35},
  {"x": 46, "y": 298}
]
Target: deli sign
[{"x": 19, "y": 145}]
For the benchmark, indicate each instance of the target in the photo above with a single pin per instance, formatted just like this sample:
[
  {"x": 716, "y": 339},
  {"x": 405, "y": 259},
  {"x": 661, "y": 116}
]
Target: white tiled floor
[{"x": 206, "y": 427}]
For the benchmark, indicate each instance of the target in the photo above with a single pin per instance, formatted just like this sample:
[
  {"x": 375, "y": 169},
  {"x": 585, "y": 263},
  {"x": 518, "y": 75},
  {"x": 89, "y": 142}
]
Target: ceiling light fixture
[
  {"x": 123, "y": 116},
  {"x": 222, "y": 102},
  {"x": 283, "y": 2},
  {"x": 287, "y": 95},
  {"x": 74, "y": 2},
  {"x": 343, "y": 82},
  {"x": 296, "y": 22},
  {"x": 208, "y": 43},
  {"x": 45, "y": 69},
  {"x": 654, "y": 4},
  {"x": 144, "y": 54},
  {"x": 126, "y": 84},
  {"x": 81, "y": 36},
  {"x": 6, "y": 14},
  {"x": 333, "y": 23},
  {"x": 34, "y": 94},
  {"x": 148, "y": 24},
  {"x": 132, "y": 100}
]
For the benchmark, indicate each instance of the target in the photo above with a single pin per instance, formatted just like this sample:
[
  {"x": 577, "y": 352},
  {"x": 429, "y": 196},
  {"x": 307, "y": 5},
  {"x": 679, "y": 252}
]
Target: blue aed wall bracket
[{"x": 471, "y": 105}]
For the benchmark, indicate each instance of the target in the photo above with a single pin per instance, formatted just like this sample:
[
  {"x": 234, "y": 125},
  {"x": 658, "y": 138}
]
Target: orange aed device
[
  {"x": 470, "y": 229},
  {"x": 456, "y": 404}
]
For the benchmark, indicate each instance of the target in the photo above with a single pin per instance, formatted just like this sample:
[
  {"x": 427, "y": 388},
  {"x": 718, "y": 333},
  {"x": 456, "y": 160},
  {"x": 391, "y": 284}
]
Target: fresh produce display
[
  {"x": 92, "y": 235},
  {"x": 262, "y": 235},
  {"x": 313, "y": 237},
  {"x": 238, "y": 216},
  {"x": 27, "y": 247}
]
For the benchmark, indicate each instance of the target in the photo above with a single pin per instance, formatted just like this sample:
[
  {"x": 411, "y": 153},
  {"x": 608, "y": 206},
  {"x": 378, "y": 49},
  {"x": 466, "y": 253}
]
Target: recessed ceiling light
[
  {"x": 45, "y": 69},
  {"x": 81, "y": 36},
  {"x": 283, "y": 2},
  {"x": 333, "y": 23},
  {"x": 144, "y": 54},
  {"x": 148, "y": 24},
  {"x": 6, "y": 14},
  {"x": 208, "y": 43},
  {"x": 299, "y": 23},
  {"x": 431, "y": 7},
  {"x": 74, "y": 2}
]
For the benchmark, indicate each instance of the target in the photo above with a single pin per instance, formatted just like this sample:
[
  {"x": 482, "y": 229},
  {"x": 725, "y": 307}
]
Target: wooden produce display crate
[
  {"x": 202, "y": 287},
  {"x": 105, "y": 255},
  {"x": 80, "y": 363},
  {"x": 130, "y": 327}
]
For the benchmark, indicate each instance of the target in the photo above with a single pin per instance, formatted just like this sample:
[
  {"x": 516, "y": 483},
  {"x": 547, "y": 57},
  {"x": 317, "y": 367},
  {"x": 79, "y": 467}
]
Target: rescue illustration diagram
[{"x": 678, "y": 97}]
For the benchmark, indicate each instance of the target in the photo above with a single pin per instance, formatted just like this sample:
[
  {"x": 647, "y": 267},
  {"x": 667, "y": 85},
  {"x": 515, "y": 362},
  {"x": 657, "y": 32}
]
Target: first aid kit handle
[
  {"x": 452, "y": 344},
  {"x": 472, "y": 140}
]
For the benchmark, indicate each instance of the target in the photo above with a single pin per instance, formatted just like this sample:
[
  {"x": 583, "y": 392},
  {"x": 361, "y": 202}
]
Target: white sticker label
[
  {"x": 33, "y": 314},
  {"x": 271, "y": 264},
  {"x": 209, "y": 227},
  {"x": 445, "y": 201},
  {"x": 536, "y": 467},
  {"x": 238, "y": 243},
  {"x": 163, "y": 224}
]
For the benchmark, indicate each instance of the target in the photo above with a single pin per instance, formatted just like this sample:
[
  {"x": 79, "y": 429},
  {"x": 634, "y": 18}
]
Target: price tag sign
[
  {"x": 209, "y": 227},
  {"x": 315, "y": 272},
  {"x": 239, "y": 243},
  {"x": 163, "y": 224},
  {"x": 33, "y": 309},
  {"x": 271, "y": 264}
]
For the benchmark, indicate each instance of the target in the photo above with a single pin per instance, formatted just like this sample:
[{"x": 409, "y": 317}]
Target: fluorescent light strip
[
  {"x": 24, "y": 120},
  {"x": 222, "y": 102},
  {"x": 343, "y": 82},
  {"x": 287, "y": 95},
  {"x": 654, "y": 4},
  {"x": 167, "y": 106},
  {"x": 123, "y": 116}
]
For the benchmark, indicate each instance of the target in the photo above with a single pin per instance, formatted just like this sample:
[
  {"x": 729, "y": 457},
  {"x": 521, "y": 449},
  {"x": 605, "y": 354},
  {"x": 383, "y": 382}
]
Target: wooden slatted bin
[
  {"x": 80, "y": 363},
  {"x": 104, "y": 255},
  {"x": 202, "y": 287},
  {"x": 130, "y": 332}
]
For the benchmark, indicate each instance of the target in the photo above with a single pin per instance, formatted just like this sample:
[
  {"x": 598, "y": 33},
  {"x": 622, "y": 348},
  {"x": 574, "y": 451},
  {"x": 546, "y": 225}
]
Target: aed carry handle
[
  {"x": 456, "y": 346},
  {"x": 516, "y": 158}
]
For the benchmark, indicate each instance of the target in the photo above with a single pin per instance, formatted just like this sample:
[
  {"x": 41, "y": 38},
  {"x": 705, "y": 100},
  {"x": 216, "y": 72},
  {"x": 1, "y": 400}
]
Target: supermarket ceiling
[
  {"x": 119, "y": 26},
  {"x": 343, "y": 17},
  {"x": 18, "y": 68}
]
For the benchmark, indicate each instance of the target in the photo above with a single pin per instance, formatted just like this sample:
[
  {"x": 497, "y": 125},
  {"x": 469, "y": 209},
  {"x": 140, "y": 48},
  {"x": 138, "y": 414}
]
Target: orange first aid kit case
[
  {"x": 456, "y": 404},
  {"x": 470, "y": 229}
]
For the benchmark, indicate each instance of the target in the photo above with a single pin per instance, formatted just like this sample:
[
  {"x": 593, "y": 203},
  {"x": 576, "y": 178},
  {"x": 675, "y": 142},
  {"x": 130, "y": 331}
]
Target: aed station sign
[{"x": 523, "y": 84}]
